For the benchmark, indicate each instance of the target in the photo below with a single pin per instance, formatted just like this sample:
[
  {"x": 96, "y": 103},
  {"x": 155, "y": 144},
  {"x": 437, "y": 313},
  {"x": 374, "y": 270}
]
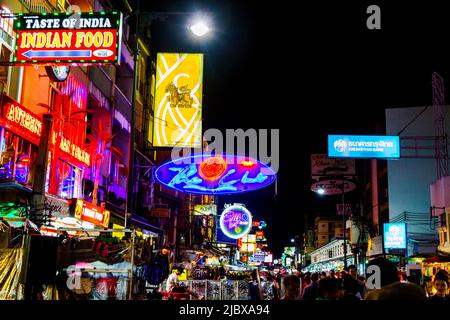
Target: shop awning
[{"x": 145, "y": 225}]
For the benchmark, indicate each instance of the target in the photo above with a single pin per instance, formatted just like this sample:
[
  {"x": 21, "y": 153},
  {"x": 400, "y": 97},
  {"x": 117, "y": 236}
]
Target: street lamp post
[
  {"x": 130, "y": 198},
  {"x": 200, "y": 29},
  {"x": 343, "y": 225}
]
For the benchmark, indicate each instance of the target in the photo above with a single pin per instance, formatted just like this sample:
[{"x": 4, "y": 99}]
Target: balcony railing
[{"x": 40, "y": 6}]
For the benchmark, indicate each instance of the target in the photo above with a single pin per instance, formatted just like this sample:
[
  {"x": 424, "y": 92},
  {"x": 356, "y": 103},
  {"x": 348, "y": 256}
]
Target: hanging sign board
[
  {"x": 88, "y": 212},
  {"x": 331, "y": 187},
  {"x": 85, "y": 38},
  {"x": 369, "y": 147}
]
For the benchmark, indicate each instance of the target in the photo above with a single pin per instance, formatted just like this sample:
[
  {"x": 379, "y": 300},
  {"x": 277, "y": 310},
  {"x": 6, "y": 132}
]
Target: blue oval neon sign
[{"x": 206, "y": 174}]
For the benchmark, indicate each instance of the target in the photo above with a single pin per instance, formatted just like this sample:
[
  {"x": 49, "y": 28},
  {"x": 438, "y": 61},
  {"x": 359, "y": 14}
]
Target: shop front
[
  {"x": 433, "y": 264},
  {"x": 20, "y": 132}
]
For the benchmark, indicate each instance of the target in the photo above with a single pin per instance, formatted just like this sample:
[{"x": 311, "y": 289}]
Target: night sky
[{"x": 307, "y": 70}]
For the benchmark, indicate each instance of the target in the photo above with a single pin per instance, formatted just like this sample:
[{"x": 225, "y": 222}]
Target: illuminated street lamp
[
  {"x": 199, "y": 29},
  {"x": 321, "y": 191}
]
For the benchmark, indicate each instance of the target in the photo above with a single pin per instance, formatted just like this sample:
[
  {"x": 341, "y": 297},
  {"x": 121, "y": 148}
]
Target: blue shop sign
[{"x": 353, "y": 146}]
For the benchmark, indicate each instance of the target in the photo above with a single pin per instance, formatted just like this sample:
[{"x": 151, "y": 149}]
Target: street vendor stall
[
  {"x": 95, "y": 267},
  {"x": 432, "y": 265},
  {"x": 12, "y": 254}
]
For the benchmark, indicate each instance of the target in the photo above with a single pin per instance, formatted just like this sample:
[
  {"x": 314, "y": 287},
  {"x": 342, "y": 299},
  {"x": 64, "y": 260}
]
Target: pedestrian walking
[{"x": 291, "y": 288}]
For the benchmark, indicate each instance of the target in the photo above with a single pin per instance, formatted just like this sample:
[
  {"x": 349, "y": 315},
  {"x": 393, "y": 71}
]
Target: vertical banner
[{"x": 178, "y": 100}]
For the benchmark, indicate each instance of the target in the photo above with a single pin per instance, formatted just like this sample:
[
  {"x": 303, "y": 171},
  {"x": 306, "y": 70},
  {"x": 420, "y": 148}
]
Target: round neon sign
[
  {"x": 235, "y": 221},
  {"x": 207, "y": 174}
]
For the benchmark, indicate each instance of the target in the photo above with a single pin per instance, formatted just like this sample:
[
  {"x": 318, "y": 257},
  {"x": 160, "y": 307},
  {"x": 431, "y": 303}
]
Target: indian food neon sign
[
  {"x": 205, "y": 174},
  {"x": 84, "y": 37}
]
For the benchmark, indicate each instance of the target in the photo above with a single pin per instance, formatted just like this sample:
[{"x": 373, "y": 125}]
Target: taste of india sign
[{"x": 92, "y": 37}]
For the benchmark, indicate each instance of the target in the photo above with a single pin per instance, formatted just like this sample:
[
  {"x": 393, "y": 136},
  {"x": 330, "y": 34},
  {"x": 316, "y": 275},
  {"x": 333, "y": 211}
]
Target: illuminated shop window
[
  {"x": 16, "y": 158},
  {"x": 68, "y": 180}
]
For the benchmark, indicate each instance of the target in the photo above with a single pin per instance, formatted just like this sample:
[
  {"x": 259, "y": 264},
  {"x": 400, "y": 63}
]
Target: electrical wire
[{"x": 414, "y": 119}]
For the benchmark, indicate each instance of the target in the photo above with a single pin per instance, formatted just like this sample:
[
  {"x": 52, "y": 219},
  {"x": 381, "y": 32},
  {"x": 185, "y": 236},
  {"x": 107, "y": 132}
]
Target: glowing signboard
[
  {"x": 351, "y": 146},
  {"x": 331, "y": 187},
  {"x": 91, "y": 37},
  {"x": 395, "y": 236},
  {"x": 86, "y": 211},
  {"x": 18, "y": 117},
  {"x": 178, "y": 100},
  {"x": 213, "y": 175},
  {"x": 235, "y": 221},
  {"x": 205, "y": 209},
  {"x": 28, "y": 125}
]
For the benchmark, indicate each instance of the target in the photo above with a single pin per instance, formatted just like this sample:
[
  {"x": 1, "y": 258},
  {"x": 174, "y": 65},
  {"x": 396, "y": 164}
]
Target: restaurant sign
[
  {"x": 18, "y": 119},
  {"x": 88, "y": 37},
  {"x": 88, "y": 212}
]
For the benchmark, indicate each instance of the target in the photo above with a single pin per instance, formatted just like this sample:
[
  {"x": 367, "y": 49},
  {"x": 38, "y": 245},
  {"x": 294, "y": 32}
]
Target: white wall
[{"x": 409, "y": 180}]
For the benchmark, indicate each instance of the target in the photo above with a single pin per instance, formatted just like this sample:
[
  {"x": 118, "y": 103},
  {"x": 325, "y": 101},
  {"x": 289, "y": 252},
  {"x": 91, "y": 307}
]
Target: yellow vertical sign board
[{"x": 178, "y": 100}]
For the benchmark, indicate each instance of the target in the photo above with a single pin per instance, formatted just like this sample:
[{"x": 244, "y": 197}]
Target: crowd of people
[{"x": 347, "y": 285}]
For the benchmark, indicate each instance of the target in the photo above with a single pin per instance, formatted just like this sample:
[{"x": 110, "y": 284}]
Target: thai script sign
[
  {"x": 352, "y": 146},
  {"x": 395, "y": 236}
]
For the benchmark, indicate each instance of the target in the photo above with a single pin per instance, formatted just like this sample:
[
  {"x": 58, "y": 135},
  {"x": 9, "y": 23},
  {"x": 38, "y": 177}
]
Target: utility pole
[
  {"x": 130, "y": 197},
  {"x": 40, "y": 175},
  {"x": 343, "y": 224},
  {"x": 38, "y": 195}
]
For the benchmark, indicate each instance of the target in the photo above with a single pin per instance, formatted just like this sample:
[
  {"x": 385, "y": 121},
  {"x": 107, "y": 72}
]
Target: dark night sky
[{"x": 308, "y": 70}]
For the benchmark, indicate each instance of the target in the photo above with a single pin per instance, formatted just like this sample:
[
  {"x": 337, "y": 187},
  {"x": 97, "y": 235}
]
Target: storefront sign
[
  {"x": 375, "y": 246},
  {"x": 235, "y": 221},
  {"x": 395, "y": 236},
  {"x": 249, "y": 238},
  {"x": 259, "y": 235},
  {"x": 215, "y": 175},
  {"x": 205, "y": 210},
  {"x": 321, "y": 166},
  {"x": 178, "y": 100},
  {"x": 21, "y": 121},
  {"x": 247, "y": 247},
  {"x": 376, "y": 147},
  {"x": 86, "y": 211},
  {"x": 332, "y": 187},
  {"x": 259, "y": 257},
  {"x": 118, "y": 234},
  {"x": 28, "y": 125},
  {"x": 74, "y": 151},
  {"x": 91, "y": 37},
  {"x": 56, "y": 207}
]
